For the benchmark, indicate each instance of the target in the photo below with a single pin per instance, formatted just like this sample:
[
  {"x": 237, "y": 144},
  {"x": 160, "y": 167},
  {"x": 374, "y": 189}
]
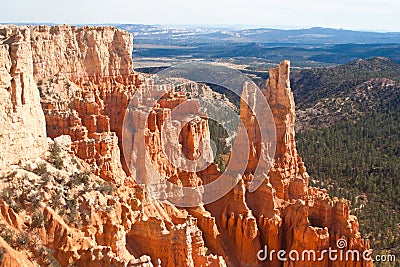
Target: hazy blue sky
[{"x": 349, "y": 14}]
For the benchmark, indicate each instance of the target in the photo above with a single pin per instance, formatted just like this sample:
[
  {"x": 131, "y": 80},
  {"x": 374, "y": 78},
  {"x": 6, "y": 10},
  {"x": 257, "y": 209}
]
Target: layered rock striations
[{"x": 76, "y": 86}]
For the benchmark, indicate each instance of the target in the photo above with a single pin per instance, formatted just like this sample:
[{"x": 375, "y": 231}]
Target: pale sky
[{"x": 348, "y": 14}]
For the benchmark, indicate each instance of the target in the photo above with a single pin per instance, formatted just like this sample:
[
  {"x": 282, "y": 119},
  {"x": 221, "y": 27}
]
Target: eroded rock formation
[
  {"x": 86, "y": 77},
  {"x": 23, "y": 129},
  {"x": 93, "y": 211},
  {"x": 287, "y": 214},
  {"x": 283, "y": 213}
]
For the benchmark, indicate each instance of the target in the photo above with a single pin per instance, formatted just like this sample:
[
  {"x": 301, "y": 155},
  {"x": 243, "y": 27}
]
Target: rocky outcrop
[
  {"x": 98, "y": 55},
  {"x": 180, "y": 245},
  {"x": 11, "y": 257},
  {"x": 23, "y": 130},
  {"x": 86, "y": 79},
  {"x": 69, "y": 110},
  {"x": 288, "y": 174},
  {"x": 165, "y": 144}
]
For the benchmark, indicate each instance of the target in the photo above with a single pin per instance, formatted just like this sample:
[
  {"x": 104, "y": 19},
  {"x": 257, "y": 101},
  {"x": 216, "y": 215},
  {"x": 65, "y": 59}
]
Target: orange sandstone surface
[{"x": 73, "y": 87}]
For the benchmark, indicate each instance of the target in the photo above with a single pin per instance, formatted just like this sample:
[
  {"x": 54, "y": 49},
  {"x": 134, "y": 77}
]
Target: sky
[{"x": 379, "y": 15}]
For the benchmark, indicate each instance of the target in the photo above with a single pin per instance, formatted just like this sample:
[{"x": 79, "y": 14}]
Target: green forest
[
  {"x": 360, "y": 161},
  {"x": 357, "y": 158}
]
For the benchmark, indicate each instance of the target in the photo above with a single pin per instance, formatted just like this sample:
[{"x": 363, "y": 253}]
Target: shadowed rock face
[{"x": 86, "y": 81}]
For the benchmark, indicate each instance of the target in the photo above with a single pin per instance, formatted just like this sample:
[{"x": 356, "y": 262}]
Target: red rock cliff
[{"x": 86, "y": 79}]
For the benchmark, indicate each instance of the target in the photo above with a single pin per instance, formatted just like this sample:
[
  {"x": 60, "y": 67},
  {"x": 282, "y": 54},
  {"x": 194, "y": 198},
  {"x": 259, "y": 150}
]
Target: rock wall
[
  {"x": 23, "y": 130},
  {"x": 70, "y": 110},
  {"x": 83, "y": 54},
  {"x": 86, "y": 78}
]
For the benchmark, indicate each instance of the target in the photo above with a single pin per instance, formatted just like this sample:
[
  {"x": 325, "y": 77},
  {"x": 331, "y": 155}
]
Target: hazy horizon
[
  {"x": 209, "y": 26},
  {"x": 360, "y": 15}
]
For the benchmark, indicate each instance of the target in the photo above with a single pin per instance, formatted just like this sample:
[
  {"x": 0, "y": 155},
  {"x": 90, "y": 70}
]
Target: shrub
[
  {"x": 35, "y": 198},
  {"x": 52, "y": 261},
  {"x": 6, "y": 194},
  {"x": 106, "y": 188},
  {"x": 2, "y": 252},
  {"x": 55, "y": 157},
  {"x": 72, "y": 206},
  {"x": 46, "y": 178},
  {"x": 7, "y": 234},
  {"x": 55, "y": 201},
  {"x": 28, "y": 168},
  {"x": 48, "y": 254},
  {"x": 75, "y": 162},
  {"x": 37, "y": 220},
  {"x": 80, "y": 178},
  {"x": 12, "y": 175},
  {"x": 16, "y": 205},
  {"x": 41, "y": 92},
  {"x": 22, "y": 240},
  {"x": 41, "y": 169},
  {"x": 58, "y": 163},
  {"x": 42, "y": 251},
  {"x": 11, "y": 199}
]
